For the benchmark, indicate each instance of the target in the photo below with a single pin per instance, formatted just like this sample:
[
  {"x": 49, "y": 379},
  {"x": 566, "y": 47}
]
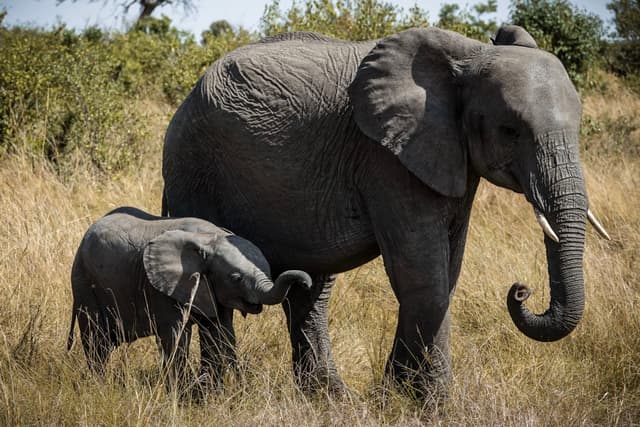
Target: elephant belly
[
  {"x": 322, "y": 254},
  {"x": 294, "y": 227}
]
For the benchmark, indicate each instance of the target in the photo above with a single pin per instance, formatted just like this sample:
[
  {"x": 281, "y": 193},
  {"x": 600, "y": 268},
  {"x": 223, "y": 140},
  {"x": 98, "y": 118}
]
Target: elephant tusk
[
  {"x": 546, "y": 227},
  {"x": 597, "y": 225}
]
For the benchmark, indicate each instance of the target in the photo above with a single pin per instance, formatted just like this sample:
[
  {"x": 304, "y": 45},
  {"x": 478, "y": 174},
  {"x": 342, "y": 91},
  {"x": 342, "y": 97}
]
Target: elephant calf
[{"x": 136, "y": 275}]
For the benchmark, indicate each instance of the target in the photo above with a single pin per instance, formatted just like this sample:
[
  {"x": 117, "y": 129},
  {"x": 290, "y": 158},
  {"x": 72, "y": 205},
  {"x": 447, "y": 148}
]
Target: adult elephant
[{"x": 328, "y": 153}]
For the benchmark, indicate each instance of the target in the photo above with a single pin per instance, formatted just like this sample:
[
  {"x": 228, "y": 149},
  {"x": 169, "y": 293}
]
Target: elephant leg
[
  {"x": 217, "y": 348},
  {"x": 174, "y": 339},
  {"x": 95, "y": 338},
  {"x": 419, "y": 275},
  {"x": 307, "y": 321},
  {"x": 412, "y": 228},
  {"x": 92, "y": 319}
]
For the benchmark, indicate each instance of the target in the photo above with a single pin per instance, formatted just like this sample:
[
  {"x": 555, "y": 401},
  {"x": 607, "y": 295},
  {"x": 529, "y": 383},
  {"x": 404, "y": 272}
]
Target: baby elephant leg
[
  {"x": 217, "y": 349},
  {"x": 95, "y": 337},
  {"x": 174, "y": 336}
]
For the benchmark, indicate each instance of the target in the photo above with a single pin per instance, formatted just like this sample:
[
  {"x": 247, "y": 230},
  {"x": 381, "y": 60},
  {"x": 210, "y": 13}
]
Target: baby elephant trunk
[{"x": 271, "y": 293}]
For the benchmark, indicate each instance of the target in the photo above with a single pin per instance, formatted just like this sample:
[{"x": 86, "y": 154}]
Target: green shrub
[
  {"x": 146, "y": 52},
  {"x": 569, "y": 33},
  {"x": 623, "y": 57},
  {"x": 65, "y": 94},
  {"x": 58, "y": 96},
  {"x": 347, "y": 20}
]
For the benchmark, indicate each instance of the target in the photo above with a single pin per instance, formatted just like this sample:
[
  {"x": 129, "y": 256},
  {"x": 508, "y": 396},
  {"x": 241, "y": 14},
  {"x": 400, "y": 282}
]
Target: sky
[{"x": 108, "y": 13}]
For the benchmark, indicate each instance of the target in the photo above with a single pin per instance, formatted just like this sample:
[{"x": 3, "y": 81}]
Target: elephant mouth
[{"x": 247, "y": 307}]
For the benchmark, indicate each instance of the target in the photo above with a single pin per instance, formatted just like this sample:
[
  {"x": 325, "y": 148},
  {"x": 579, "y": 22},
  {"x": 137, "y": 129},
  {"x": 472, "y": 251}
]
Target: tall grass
[{"x": 500, "y": 377}]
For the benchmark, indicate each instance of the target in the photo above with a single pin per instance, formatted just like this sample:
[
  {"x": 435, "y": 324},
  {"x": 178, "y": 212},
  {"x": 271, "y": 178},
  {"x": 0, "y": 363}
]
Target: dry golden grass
[{"x": 500, "y": 377}]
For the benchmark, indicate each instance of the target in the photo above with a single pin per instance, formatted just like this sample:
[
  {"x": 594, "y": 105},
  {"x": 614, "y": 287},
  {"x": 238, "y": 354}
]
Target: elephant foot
[
  {"x": 428, "y": 397},
  {"x": 203, "y": 387},
  {"x": 426, "y": 381},
  {"x": 424, "y": 387},
  {"x": 321, "y": 382}
]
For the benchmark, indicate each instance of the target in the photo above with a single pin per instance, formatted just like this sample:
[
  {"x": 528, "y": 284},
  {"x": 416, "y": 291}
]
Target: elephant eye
[{"x": 235, "y": 277}]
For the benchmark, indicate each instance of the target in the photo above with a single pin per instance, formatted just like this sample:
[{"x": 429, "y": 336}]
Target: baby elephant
[{"x": 137, "y": 275}]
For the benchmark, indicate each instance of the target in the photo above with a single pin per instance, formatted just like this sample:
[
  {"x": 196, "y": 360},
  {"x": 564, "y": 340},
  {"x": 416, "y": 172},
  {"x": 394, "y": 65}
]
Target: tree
[
  {"x": 451, "y": 17},
  {"x": 146, "y": 6},
  {"x": 627, "y": 18},
  {"x": 215, "y": 30},
  {"x": 573, "y": 35},
  {"x": 624, "y": 53}
]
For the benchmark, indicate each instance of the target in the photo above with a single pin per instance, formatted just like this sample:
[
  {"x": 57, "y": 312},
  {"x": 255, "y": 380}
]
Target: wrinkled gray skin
[
  {"x": 328, "y": 153},
  {"x": 133, "y": 276}
]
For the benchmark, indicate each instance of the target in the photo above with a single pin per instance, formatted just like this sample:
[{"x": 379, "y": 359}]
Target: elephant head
[
  {"x": 448, "y": 106},
  {"x": 235, "y": 268}
]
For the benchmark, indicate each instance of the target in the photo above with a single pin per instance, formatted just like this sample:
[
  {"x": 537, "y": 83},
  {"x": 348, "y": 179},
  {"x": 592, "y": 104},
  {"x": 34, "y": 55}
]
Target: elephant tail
[
  {"x": 165, "y": 206},
  {"x": 73, "y": 325}
]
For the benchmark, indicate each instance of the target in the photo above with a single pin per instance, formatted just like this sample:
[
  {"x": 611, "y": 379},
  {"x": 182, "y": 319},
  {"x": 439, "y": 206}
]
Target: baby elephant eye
[{"x": 235, "y": 277}]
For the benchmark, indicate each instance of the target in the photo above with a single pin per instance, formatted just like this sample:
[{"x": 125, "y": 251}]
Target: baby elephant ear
[
  {"x": 513, "y": 35},
  {"x": 175, "y": 263}
]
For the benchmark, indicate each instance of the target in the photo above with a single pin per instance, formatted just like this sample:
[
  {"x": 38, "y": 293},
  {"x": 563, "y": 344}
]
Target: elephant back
[
  {"x": 281, "y": 87},
  {"x": 306, "y": 36}
]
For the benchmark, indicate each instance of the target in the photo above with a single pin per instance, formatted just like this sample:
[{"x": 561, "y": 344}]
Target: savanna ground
[{"x": 500, "y": 377}]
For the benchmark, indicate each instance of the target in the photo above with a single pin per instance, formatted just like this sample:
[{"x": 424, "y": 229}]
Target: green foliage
[
  {"x": 59, "y": 97},
  {"x": 343, "y": 19},
  {"x": 216, "y": 29},
  {"x": 451, "y": 17},
  {"x": 623, "y": 54},
  {"x": 371, "y": 19},
  {"x": 148, "y": 52},
  {"x": 627, "y": 18},
  {"x": 573, "y": 35},
  {"x": 65, "y": 95}
]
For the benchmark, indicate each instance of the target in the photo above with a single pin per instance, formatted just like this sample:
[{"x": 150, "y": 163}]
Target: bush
[
  {"x": 65, "y": 94},
  {"x": 60, "y": 95},
  {"x": 346, "y": 20},
  {"x": 570, "y": 34}
]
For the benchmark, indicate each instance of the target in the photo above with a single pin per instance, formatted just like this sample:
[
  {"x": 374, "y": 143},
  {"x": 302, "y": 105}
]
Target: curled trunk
[
  {"x": 271, "y": 293},
  {"x": 558, "y": 191}
]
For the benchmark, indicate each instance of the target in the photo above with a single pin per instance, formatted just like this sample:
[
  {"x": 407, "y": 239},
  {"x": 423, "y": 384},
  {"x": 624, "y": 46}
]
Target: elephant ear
[
  {"x": 405, "y": 97},
  {"x": 171, "y": 262},
  {"x": 513, "y": 35}
]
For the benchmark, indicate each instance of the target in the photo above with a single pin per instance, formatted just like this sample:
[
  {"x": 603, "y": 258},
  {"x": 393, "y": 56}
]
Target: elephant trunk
[
  {"x": 271, "y": 293},
  {"x": 557, "y": 189}
]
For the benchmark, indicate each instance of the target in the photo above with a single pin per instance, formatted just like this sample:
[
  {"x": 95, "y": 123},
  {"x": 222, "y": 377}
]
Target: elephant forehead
[
  {"x": 536, "y": 86},
  {"x": 242, "y": 253},
  {"x": 532, "y": 68}
]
